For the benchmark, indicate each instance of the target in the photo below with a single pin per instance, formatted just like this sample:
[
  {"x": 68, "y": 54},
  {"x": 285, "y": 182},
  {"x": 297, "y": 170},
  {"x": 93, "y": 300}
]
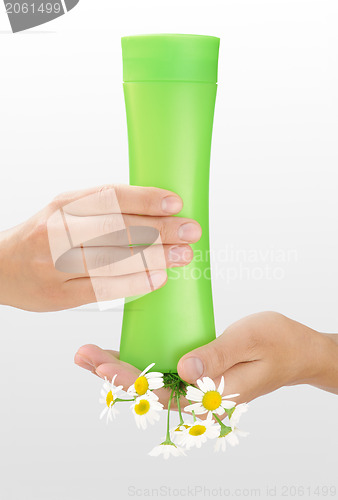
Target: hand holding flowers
[{"x": 187, "y": 434}]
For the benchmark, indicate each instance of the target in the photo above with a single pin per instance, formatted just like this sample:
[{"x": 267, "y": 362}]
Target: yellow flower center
[
  {"x": 142, "y": 407},
  {"x": 211, "y": 400},
  {"x": 109, "y": 399},
  {"x": 141, "y": 385},
  {"x": 197, "y": 430}
]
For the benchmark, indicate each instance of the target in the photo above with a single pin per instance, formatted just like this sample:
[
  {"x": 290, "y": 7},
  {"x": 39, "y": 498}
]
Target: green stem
[
  {"x": 192, "y": 411},
  {"x": 225, "y": 430},
  {"x": 218, "y": 419},
  {"x": 179, "y": 408},
  {"x": 118, "y": 400},
  {"x": 168, "y": 419}
]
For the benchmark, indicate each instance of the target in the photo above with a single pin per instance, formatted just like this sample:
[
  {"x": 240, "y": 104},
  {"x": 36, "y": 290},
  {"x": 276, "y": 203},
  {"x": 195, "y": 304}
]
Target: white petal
[
  {"x": 220, "y": 410},
  {"x": 196, "y": 407},
  {"x": 194, "y": 394},
  {"x": 137, "y": 420},
  {"x": 156, "y": 417},
  {"x": 166, "y": 450},
  {"x": 232, "y": 439},
  {"x": 151, "y": 396},
  {"x": 237, "y": 413},
  {"x": 146, "y": 369},
  {"x": 221, "y": 386},
  {"x": 154, "y": 374},
  {"x": 201, "y": 385},
  {"x": 123, "y": 395},
  {"x": 144, "y": 422},
  {"x": 157, "y": 406},
  {"x": 242, "y": 407},
  {"x": 213, "y": 432},
  {"x": 155, "y": 452},
  {"x": 228, "y": 404},
  {"x": 103, "y": 412},
  {"x": 113, "y": 379},
  {"x": 231, "y": 396},
  {"x": 220, "y": 444},
  {"x": 209, "y": 384},
  {"x": 155, "y": 383},
  {"x": 175, "y": 451}
]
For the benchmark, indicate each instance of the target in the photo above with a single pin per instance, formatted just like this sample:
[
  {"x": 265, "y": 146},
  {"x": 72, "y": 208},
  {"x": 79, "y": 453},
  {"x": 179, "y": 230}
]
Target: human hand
[
  {"x": 256, "y": 355},
  {"x": 264, "y": 352},
  {"x": 80, "y": 248}
]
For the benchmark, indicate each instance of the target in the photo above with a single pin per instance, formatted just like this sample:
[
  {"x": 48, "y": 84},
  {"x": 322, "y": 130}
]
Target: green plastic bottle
[{"x": 170, "y": 84}]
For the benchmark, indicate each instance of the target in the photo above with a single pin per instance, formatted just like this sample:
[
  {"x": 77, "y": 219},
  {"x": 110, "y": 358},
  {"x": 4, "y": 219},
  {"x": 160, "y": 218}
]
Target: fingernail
[
  {"x": 190, "y": 232},
  {"x": 172, "y": 204},
  {"x": 157, "y": 278},
  {"x": 193, "y": 368},
  {"x": 179, "y": 254}
]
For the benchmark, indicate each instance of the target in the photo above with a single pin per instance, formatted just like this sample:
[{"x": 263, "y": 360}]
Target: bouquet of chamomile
[{"x": 221, "y": 415}]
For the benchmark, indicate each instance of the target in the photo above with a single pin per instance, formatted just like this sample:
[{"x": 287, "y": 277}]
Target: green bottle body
[{"x": 169, "y": 132}]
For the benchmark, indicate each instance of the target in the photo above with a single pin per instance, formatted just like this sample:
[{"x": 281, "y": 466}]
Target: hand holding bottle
[{"x": 98, "y": 244}]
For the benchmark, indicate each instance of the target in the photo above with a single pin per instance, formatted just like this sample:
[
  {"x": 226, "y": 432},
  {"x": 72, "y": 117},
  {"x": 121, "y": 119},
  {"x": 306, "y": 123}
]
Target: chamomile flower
[
  {"x": 146, "y": 382},
  {"x": 167, "y": 450},
  {"x": 198, "y": 433},
  {"x": 221, "y": 444},
  {"x": 177, "y": 431},
  {"x": 237, "y": 413},
  {"x": 109, "y": 394},
  {"x": 208, "y": 398},
  {"x": 231, "y": 438},
  {"x": 146, "y": 410}
]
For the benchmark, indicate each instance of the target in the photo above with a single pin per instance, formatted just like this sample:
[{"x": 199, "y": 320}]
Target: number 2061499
[{"x": 33, "y": 8}]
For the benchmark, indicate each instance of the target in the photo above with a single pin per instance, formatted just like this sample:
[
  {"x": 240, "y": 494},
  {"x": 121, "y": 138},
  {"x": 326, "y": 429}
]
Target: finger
[
  {"x": 97, "y": 289},
  {"x": 116, "y": 199},
  {"x": 132, "y": 229},
  {"x": 249, "y": 380},
  {"x": 106, "y": 364},
  {"x": 84, "y": 363},
  {"x": 234, "y": 346},
  {"x": 117, "y": 261},
  {"x": 94, "y": 356},
  {"x": 66, "y": 232}
]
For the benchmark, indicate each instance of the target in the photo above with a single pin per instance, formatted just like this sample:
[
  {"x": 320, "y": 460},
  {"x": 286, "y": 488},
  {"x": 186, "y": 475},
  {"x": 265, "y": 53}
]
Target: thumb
[{"x": 214, "y": 358}]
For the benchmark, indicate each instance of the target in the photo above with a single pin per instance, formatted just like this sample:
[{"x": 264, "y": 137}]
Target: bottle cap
[{"x": 170, "y": 57}]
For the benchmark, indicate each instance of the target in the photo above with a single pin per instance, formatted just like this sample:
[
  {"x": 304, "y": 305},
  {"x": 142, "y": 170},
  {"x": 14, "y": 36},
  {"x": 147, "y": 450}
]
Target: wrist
[
  {"x": 325, "y": 375},
  {"x": 4, "y": 266}
]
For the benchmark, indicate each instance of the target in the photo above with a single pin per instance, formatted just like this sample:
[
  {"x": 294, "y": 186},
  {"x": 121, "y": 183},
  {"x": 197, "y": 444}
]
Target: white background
[{"x": 273, "y": 189}]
